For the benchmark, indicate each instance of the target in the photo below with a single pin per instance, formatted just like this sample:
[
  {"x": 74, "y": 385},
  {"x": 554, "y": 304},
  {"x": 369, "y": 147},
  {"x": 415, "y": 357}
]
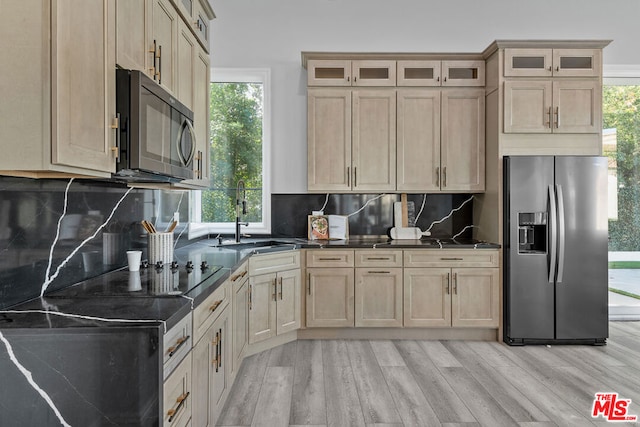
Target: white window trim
[
  {"x": 198, "y": 228},
  {"x": 620, "y": 75}
]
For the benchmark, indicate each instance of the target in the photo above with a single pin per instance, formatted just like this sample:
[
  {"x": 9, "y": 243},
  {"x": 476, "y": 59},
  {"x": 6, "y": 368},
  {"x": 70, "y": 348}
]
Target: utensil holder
[{"x": 160, "y": 248}]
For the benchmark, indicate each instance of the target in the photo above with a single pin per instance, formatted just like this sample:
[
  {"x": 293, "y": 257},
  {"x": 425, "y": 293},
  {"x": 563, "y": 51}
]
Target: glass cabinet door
[
  {"x": 418, "y": 73},
  {"x": 528, "y": 62},
  {"x": 463, "y": 73},
  {"x": 577, "y": 62}
]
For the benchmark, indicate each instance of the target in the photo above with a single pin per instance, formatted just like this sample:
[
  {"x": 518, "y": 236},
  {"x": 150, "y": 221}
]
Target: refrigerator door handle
[
  {"x": 561, "y": 233},
  {"x": 553, "y": 234}
]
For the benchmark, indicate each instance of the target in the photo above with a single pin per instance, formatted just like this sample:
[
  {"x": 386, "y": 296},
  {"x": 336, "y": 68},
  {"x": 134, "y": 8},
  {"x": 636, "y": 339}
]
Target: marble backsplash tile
[
  {"x": 31, "y": 220},
  {"x": 289, "y": 213}
]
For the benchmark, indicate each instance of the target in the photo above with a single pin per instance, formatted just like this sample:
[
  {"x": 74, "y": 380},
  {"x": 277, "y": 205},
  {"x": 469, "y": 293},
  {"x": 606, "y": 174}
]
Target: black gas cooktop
[{"x": 151, "y": 281}]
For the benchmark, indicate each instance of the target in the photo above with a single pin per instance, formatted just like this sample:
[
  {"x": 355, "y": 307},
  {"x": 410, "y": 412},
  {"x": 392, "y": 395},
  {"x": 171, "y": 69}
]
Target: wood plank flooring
[{"x": 432, "y": 383}]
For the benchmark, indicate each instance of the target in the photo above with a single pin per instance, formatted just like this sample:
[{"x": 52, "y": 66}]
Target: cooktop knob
[
  {"x": 145, "y": 264},
  {"x": 204, "y": 265},
  {"x": 189, "y": 265},
  {"x": 159, "y": 265},
  {"x": 174, "y": 265}
]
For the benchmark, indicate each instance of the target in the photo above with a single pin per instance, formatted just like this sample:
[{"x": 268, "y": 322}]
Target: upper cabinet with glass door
[
  {"x": 338, "y": 72},
  {"x": 533, "y": 62},
  {"x": 440, "y": 73}
]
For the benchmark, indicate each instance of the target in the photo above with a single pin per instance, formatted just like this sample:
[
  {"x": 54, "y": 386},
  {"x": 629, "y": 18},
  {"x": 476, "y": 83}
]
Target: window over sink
[{"x": 239, "y": 144}]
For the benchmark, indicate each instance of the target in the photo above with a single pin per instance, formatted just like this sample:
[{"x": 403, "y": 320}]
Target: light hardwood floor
[{"x": 431, "y": 383}]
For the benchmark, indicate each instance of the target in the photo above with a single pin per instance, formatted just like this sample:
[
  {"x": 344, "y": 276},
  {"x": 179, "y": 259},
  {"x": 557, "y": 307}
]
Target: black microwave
[{"x": 156, "y": 138}]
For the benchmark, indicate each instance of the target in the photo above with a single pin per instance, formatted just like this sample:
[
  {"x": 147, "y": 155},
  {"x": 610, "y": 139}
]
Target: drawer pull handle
[
  {"x": 451, "y": 259},
  {"x": 173, "y": 349},
  {"x": 215, "y": 305},
  {"x": 181, "y": 400},
  {"x": 329, "y": 259},
  {"x": 378, "y": 272},
  {"x": 238, "y": 276},
  {"x": 378, "y": 258}
]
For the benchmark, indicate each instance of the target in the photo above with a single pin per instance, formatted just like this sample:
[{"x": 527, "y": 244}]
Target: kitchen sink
[{"x": 255, "y": 247}]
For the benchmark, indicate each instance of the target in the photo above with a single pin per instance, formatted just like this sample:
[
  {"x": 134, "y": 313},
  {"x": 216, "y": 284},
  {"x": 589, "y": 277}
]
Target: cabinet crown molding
[
  {"x": 393, "y": 56},
  {"x": 544, "y": 44}
]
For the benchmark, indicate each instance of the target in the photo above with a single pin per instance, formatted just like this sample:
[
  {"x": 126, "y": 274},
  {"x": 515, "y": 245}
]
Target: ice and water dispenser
[{"x": 532, "y": 232}]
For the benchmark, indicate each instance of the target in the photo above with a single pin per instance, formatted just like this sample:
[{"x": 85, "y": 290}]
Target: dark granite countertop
[{"x": 95, "y": 303}]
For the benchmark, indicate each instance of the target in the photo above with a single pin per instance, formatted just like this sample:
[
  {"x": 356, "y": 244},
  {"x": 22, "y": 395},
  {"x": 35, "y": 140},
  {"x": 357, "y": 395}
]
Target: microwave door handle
[{"x": 185, "y": 161}]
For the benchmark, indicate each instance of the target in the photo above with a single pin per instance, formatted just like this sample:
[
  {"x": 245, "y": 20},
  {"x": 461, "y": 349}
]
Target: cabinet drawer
[
  {"x": 176, "y": 410},
  {"x": 272, "y": 263},
  {"x": 176, "y": 344},
  {"x": 451, "y": 258},
  {"x": 329, "y": 258},
  {"x": 378, "y": 258},
  {"x": 207, "y": 312}
]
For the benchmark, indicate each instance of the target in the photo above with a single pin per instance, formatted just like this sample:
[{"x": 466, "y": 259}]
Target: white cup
[{"x": 134, "y": 258}]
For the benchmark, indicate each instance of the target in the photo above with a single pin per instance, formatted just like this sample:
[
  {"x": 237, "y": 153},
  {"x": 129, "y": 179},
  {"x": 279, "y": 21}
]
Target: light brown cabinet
[
  {"x": 440, "y": 140},
  {"x": 239, "y": 281},
  {"x": 132, "y": 29},
  {"x": 351, "y": 73},
  {"x": 440, "y": 73},
  {"x": 330, "y": 288},
  {"x": 212, "y": 369},
  {"x": 553, "y": 106},
  {"x": 547, "y": 62},
  {"x": 60, "y": 104},
  {"x": 194, "y": 88},
  {"x": 351, "y": 140},
  {"x": 274, "y": 295},
  {"x": 177, "y": 396},
  {"x": 163, "y": 43},
  {"x": 451, "y": 288},
  {"x": 378, "y": 297}
]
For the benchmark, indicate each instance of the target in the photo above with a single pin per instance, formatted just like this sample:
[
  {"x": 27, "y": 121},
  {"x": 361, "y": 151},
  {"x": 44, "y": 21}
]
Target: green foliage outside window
[
  {"x": 621, "y": 110},
  {"x": 236, "y": 151}
]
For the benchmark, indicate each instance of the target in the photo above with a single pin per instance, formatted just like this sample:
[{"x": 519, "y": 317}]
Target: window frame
[{"x": 197, "y": 228}]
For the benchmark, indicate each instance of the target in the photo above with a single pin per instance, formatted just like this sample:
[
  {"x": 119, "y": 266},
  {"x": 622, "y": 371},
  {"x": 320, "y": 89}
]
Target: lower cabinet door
[
  {"x": 262, "y": 307},
  {"x": 177, "y": 396},
  {"x": 378, "y": 297},
  {"x": 288, "y": 301},
  {"x": 475, "y": 297},
  {"x": 427, "y": 297},
  {"x": 330, "y": 297},
  {"x": 240, "y": 295}
]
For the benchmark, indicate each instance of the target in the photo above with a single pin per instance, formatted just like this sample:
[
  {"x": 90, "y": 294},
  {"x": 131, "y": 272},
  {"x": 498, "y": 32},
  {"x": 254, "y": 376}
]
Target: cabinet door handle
[
  {"x": 309, "y": 284},
  {"x": 180, "y": 401},
  {"x": 153, "y": 69},
  {"x": 159, "y": 64},
  {"x": 437, "y": 176},
  {"x": 455, "y": 283},
  {"x": 355, "y": 176},
  {"x": 558, "y": 68},
  {"x": 349, "y": 176},
  {"x": 219, "y": 350},
  {"x": 557, "y": 114},
  {"x": 275, "y": 289},
  {"x": 115, "y": 124},
  {"x": 447, "y": 286},
  {"x": 444, "y": 176},
  {"x": 215, "y": 305},
  {"x": 250, "y": 293},
  {"x": 280, "y": 293},
  {"x": 174, "y": 348},
  {"x": 549, "y": 115},
  {"x": 215, "y": 342}
]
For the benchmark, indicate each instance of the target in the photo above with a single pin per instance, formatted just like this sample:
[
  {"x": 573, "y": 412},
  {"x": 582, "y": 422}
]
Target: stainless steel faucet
[{"x": 241, "y": 207}]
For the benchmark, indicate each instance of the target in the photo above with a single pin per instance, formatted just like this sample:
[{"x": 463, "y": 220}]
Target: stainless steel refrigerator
[{"x": 555, "y": 253}]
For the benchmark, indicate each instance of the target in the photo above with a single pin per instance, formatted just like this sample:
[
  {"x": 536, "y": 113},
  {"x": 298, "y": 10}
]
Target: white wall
[{"x": 272, "y": 33}]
